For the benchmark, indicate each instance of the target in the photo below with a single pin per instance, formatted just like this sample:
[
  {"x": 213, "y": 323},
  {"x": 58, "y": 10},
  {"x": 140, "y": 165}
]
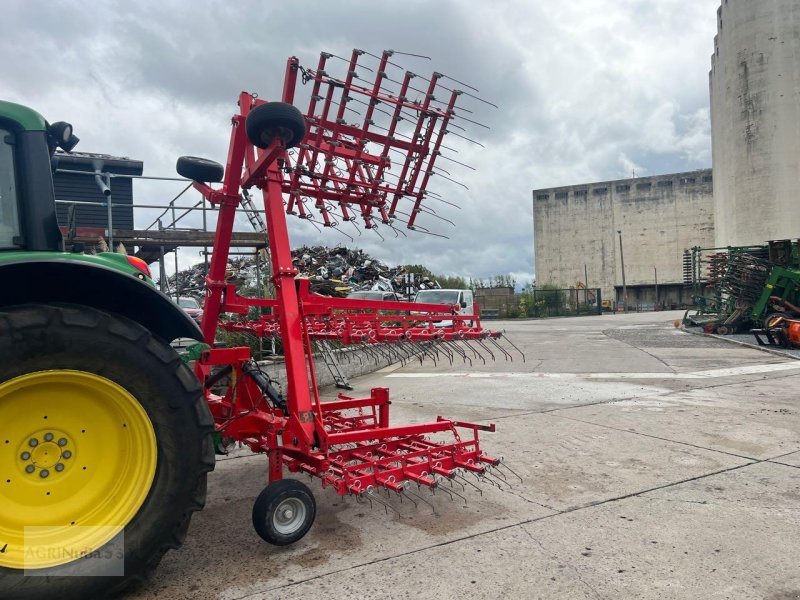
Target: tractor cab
[
  {"x": 32, "y": 247},
  {"x": 27, "y": 202},
  {"x": 9, "y": 208}
]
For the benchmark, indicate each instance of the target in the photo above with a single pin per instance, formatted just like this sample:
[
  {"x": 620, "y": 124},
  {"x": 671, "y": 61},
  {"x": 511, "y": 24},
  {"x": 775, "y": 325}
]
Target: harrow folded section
[
  {"x": 426, "y": 329},
  {"x": 324, "y": 168},
  {"x": 364, "y": 452}
]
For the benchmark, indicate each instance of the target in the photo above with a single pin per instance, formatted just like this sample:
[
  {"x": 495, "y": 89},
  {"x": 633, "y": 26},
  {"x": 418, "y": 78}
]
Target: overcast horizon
[{"x": 587, "y": 91}]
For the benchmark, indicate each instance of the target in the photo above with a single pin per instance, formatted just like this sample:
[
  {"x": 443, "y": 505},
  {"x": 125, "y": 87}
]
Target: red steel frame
[{"x": 349, "y": 443}]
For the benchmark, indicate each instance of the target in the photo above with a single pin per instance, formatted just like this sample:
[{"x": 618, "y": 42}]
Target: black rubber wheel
[
  {"x": 284, "y": 512},
  {"x": 275, "y": 119},
  {"x": 38, "y": 340},
  {"x": 774, "y": 317},
  {"x": 723, "y": 330},
  {"x": 200, "y": 169}
]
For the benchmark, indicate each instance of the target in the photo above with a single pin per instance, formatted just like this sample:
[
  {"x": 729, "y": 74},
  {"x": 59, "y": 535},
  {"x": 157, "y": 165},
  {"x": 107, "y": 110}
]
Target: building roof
[
  {"x": 90, "y": 162},
  {"x": 700, "y": 176}
]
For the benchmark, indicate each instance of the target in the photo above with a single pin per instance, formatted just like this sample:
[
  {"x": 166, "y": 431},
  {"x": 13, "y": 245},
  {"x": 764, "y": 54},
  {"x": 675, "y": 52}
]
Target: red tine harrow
[{"x": 323, "y": 168}]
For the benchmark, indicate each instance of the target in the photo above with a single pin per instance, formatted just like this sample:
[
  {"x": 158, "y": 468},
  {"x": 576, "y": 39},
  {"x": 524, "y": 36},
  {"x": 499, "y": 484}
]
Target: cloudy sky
[{"x": 588, "y": 90}]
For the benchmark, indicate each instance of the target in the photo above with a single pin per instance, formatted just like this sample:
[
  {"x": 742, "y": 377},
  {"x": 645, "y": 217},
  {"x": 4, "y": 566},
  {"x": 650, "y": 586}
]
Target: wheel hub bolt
[
  {"x": 48, "y": 437},
  {"x": 25, "y": 455},
  {"x": 62, "y": 441},
  {"x": 66, "y": 454},
  {"x": 33, "y": 442},
  {"x": 44, "y": 473},
  {"x": 30, "y": 469},
  {"x": 59, "y": 467},
  {"x": 287, "y": 514}
]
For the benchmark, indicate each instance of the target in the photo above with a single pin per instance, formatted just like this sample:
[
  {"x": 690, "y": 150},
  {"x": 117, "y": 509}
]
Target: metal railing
[{"x": 176, "y": 214}]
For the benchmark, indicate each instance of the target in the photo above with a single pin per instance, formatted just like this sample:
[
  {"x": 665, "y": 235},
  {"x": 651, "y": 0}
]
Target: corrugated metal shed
[{"x": 83, "y": 188}]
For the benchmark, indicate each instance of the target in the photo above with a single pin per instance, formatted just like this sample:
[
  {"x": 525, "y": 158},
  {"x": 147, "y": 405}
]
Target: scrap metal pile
[
  {"x": 340, "y": 270},
  {"x": 332, "y": 272},
  {"x": 318, "y": 165}
]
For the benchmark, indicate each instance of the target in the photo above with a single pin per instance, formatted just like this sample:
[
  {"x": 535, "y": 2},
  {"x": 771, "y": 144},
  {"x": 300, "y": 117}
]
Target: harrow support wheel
[
  {"x": 104, "y": 451},
  {"x": 275, "y": 119},
  {"x": 284, "y": 512},
  {"x": 199, "y": 169}
]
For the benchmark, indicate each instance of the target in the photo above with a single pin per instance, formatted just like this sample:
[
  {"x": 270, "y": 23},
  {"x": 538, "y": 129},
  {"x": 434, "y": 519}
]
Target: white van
[{"x": 463, "y": 298}]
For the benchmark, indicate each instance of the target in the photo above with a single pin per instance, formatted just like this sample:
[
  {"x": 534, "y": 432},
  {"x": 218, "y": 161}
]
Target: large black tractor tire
[
  {"x": 60, "y": 349},
  {"x": 275, "y": 119}
]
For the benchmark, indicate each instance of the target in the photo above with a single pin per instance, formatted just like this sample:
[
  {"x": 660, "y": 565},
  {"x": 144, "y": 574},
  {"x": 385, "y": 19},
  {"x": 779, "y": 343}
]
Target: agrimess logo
[{"x": 53, "y": 551}]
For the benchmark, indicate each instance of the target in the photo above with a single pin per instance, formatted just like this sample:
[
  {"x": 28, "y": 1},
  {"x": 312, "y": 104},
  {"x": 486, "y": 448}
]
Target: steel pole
[
  {"x": 655, "y": 275},
  {"x": 622, "y": 262}
]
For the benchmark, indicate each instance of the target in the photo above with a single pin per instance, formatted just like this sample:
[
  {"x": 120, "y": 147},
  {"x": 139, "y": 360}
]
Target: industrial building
[
  {"x": 577, "y": 235},
  {"x": 755, "y": 121},
  {"x": 755, "y": 116}
]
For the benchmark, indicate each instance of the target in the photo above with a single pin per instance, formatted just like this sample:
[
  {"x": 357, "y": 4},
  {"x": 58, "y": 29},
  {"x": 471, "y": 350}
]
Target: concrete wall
[
  {"x": 659, "y": 218},
  {"x": 755, "y": 118},
  {"x": 496, "y": 299}
]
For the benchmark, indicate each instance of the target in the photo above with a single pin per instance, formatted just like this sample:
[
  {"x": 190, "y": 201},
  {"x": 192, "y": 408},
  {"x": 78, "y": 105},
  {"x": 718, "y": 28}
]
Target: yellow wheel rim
[{"x": 77, "y": 459}]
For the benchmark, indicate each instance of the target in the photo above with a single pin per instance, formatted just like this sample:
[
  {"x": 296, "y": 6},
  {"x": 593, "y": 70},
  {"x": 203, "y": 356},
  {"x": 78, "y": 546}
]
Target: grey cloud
[{"x": 587, "y": 89}]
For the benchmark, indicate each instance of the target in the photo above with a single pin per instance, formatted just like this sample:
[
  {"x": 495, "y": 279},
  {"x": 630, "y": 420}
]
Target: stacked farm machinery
[{"x": 749, "y": 288}]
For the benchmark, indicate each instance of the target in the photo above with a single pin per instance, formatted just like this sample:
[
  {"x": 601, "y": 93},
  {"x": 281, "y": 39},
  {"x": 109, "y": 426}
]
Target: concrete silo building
[{"x": 755, "y": 121}]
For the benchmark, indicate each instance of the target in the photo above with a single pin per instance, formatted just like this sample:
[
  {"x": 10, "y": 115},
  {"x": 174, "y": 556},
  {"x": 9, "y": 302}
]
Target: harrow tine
[
  {"x": 436, "y": 172},
  {"x": 503, "y": 464},
  {"x": 482, "y": 345},
  {"x": 453, "y": 204},
  {"x": 475, "y": 352},
  {"x": 370, "y": 349},
  {"x": 454, "y": 345},
  {"x": 467, "y": 481},
  {"x": 450, "y": 492},
  {"x": 499, "y": 483},
  {"x": 510, "y": 343},
  {"x": 400, "y": 353},
  {"x": 360, "y": 499},
  {"x": 357, "y": 354},
  {"x": 440, "y": 345},
  {"x": 386, "y": 506},
  {"x": 428, "y": 211},
  {"x": 503, "y": 350},
  {"x": 409, "y": 354},
  {"x": 495, "y": 472},
  {"x": 384, "y": 352},
  {"x": 402, "y": 494},
  {"x": 433, "y": 508},
  {"x": 457, "y": 162},
  {"x": 464, "y": 498},
  {"x": 443, "y": 489},
  {"x": 419, "y": 351},
  {"x": 483, "y": 478},
  {"x": 429, "y": 350}
]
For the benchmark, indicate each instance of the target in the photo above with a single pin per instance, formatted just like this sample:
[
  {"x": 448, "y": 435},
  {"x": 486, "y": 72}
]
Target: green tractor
[{"x": 105, "y": 439}]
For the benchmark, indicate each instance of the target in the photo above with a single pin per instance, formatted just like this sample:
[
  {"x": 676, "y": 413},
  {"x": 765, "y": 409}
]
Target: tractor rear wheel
[{"x": 104, "y": 451}]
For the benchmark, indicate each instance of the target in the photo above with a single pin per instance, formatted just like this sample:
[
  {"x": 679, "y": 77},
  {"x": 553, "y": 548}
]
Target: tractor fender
[{"x": 97, "y": 286}]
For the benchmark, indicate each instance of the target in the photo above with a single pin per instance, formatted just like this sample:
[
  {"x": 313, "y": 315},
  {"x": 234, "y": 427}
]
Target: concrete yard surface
[{"x": 653, "y": 464}]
